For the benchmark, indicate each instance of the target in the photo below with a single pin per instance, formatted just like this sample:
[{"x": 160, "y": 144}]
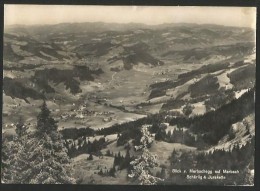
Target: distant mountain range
[{"x": 113, "y": 47}]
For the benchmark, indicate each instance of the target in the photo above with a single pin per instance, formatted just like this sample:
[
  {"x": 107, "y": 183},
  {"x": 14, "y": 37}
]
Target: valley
[{"x": 192, "y": 85}]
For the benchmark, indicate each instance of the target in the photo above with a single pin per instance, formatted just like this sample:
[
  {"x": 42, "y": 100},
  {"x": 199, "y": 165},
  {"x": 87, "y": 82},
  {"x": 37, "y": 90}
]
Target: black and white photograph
[{"x": 128, "y": 95}]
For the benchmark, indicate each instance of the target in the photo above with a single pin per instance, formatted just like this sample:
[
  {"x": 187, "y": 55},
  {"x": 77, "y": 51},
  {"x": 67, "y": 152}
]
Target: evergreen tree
[
  {"x": 41, "y": 157},
  {"x": 90, "y": 157},
  {"x": 163, "y": 173},
  {"x": 45, "y": 123},
  {"x": 127, "y": 159},
  {"x": 146, "y": 161},
  {"x": 108, "y": 153},
  {"x": 112, "y": 171},
  {"x": 187, "y": 109},
  {"x": 5, "y": 163},
  {"x": 20, "y": 128},
  {"x": 101, "y": 172},
  {"x": 10, "y": 169},
  {"x": 169, "y": 134}
]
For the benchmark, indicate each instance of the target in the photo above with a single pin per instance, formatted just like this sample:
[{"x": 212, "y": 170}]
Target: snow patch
[
  {"x": 224, "y": 81},
  {"x": 238, "y": 94},
  {"x": 199, "y": 108}
]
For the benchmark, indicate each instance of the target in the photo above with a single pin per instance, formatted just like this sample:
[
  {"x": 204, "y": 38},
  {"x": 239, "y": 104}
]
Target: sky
[{"x": 151, "y": 15}]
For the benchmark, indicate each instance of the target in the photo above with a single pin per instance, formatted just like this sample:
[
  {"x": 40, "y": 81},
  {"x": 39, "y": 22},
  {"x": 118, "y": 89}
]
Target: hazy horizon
[
  {"x": 149, "y": 15},
  {"x": 28, "y": 25}
]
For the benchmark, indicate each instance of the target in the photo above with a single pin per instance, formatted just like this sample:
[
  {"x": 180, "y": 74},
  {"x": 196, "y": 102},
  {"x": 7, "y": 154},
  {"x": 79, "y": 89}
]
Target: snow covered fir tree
[
  {"x": 143, "y": 163},
  {"x": 37, "y": 157}
]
